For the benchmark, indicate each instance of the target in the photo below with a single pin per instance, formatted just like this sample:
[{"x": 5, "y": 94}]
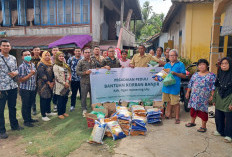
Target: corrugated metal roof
[{"x": 30, "y": 41}]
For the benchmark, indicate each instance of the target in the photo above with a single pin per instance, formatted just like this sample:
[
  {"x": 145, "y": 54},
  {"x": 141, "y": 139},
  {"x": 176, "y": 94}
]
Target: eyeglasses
[{"x": 172, "y": 55}]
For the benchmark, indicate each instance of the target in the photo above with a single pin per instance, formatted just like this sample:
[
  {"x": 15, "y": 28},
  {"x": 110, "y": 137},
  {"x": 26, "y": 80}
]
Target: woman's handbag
[{"x": 65, "y": 92}]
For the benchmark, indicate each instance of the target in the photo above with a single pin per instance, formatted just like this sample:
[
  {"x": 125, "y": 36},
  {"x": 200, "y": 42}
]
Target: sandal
[
  {"x": 202, "y": 130},
  {"x": 177, "y": 121},
  {"x": 166, "y": 117},
  {"x": 190, "y": 124},
  {"x": 227, "y": 139}
]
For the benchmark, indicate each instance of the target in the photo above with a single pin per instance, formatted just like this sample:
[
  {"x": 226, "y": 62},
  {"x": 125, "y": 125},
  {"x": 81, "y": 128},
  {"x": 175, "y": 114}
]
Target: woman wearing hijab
[
  {"x": 223, "y": 100},
  {"x": 62, "y": 74},
  {"x": 45, "y": 85}
]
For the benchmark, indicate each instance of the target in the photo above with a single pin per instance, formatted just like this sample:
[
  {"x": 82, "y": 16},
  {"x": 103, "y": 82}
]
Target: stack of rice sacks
[
  {"x": 153, "y": 115},
  {"x": 138, "y": 122},
  {"x": 124, "y": 118}
]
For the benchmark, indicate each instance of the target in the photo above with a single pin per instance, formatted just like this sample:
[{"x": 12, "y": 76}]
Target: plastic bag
[
  {"x": 115, "y": 128},
  {"x": 169, "y": 80},
  {"x": 147, "y": 102},
  {"x": 133, "y": 103},
  {"x": 139, "y": 110},
  {"x": 161, "y": 75},
  {"x": 100, "y": 115},
  {"x": 153, "y": 115},
  {"x": 100, "y": 107},
  {"x": 97, "y": 133},
  {"x": 153, "y": 64},
  {"x": 123, "y": 113}
]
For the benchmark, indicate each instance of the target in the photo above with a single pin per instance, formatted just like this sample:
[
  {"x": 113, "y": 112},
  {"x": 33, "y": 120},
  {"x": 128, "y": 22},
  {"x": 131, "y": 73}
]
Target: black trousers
[
  {"x": 75, "y": 86},
  {"x": 9, "y": 96},
  {"x": 27, "y": 97},
  {"x": 61, "y": 106},
  {"x": 34, "y": 103},
  {"x": 45, "y": 106},
  {"x": 224, "y": 122},
  {"x": 55, "y": 99}
]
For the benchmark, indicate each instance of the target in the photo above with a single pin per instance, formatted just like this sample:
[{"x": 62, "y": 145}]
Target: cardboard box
[
  {"x": 111, "y": 107},
  {"x": 124, "y": 103},
  {"x": 101, "y": 110},
  {"x": 97, "y": 104},
  {"x": 90, "y": 119},
  {"x": 148, "y": 107},
  {"x": 158, "y": 104}
]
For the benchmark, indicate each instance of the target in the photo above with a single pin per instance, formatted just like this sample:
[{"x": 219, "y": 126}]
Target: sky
[{"x": 158, "y": 6}]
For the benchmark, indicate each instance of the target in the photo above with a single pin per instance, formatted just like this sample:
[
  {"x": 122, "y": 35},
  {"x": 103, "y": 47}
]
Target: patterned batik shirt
[
  {"x": 6, "y": 82},
  {"x": 24, "y": 70},
  {"x": 111, "y": 63},
  {"x": 72, "y": 62},
  {"x": 35, "y": 61},
  {"x": 84, "y": 65}
]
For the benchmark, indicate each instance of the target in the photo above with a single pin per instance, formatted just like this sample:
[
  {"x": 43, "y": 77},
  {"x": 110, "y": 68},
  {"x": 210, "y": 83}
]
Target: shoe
[
  {"x": 18, "y": 128},
  {"x": 45, "y": 119},
  {"x": 84, "y": 112},
  {"x": 51, "y": 114},
  {"x": 34, "y": 112},
  {"x": 3, "y": 136},
  {"x": 65, "y": 114},
  {"x": 72, "y": 108},
  {"x": 216, "y": 133},
  {"x": 61, "y": 117},
  {"x": 28, "y": 124},
  {"x": 227, "y": 139},
  {"x": 34, "y": 121},
  {"x": 55, "y": 108}
]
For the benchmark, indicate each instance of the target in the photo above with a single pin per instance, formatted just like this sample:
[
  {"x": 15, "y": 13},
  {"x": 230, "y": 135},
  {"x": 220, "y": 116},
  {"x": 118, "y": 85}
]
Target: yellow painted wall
[{"x": 198, "y": 30}]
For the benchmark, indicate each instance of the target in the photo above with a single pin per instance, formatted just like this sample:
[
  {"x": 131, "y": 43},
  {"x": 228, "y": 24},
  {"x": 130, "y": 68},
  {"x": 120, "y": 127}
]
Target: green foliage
[
  {"x": 186, "y": 61},
  {"x": 150, "y": 25}
]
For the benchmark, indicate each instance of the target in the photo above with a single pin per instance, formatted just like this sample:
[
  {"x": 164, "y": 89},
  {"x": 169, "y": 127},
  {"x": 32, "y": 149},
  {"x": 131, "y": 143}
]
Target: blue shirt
[
  {"x": 72, "y": 62},
  {"x": 24, "y": 70},
  {"x": 178, "y": 67},
  {"x": 6, "y": 82}
]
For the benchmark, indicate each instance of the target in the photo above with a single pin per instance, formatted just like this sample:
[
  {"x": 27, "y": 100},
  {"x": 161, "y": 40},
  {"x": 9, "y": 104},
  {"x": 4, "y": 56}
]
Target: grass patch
[{"x": 56, "y": 137}]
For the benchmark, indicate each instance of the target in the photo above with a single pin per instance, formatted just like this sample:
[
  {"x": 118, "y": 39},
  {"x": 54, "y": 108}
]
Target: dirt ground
[{"x": 165, "y": 140}]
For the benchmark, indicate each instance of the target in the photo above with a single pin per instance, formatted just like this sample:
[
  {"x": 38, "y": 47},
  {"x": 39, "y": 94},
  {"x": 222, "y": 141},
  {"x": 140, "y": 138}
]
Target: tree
[{"x": 150, "y": 25}]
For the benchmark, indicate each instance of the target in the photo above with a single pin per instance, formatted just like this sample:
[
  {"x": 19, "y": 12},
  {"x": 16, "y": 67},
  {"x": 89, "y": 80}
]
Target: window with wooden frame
[
  {"x": 6, "y": 12},
  {"x": 22, "y": 15},
  {"x": 61, "y": 12}
]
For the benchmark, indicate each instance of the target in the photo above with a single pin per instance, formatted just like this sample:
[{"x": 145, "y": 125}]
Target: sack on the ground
[
  {"x": 65, "y": 92},
  {"x": 169, "y": 80},
  {"x": 97, "y": 133},
  {"x": 115, "y": 128}
]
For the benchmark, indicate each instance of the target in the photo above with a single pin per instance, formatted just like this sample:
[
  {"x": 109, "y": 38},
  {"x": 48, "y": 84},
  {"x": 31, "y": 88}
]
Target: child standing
[{"x": 202, "y": 89}]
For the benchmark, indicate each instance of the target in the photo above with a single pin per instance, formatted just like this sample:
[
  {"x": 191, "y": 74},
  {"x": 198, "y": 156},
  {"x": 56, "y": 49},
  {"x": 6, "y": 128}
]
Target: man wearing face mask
[{"x": 27, "y": 87}]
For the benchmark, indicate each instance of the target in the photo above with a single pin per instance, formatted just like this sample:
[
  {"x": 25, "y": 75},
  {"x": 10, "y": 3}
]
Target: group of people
[
  {"x": 54, "y": 79},
  {"x": 206, "y": 87}
]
